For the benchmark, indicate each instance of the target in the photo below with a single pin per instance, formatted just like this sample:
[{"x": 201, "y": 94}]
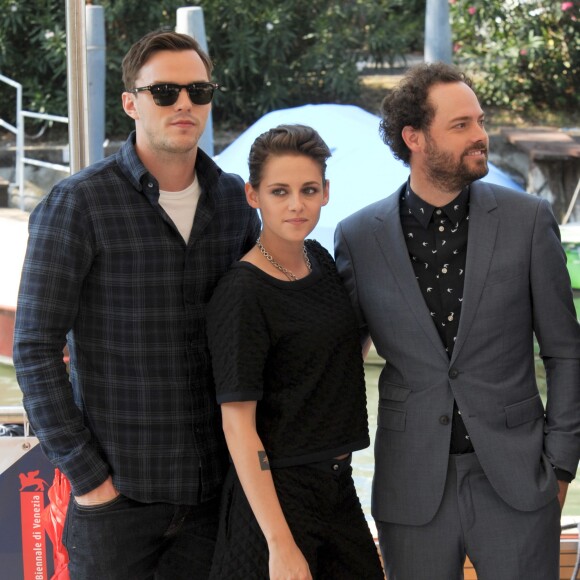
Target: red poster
[{"x": 34, "y": 558}]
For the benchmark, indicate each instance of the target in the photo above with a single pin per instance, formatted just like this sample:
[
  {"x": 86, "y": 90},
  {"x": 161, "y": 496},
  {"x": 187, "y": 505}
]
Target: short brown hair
[
  {"x": 157, "y": 41},
  {"x": 408, "y": 103},
  {"x": 287, "y": 139}
]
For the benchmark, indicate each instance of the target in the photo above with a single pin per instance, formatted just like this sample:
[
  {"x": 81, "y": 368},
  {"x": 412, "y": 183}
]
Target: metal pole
[
  {"x": 77, "y": 84},
  {"x": 189, "y": 20},
  {"x": 437, "y": 32},
  {"x": 20, "y": 147},
  {"x": 96, "y": 80}
]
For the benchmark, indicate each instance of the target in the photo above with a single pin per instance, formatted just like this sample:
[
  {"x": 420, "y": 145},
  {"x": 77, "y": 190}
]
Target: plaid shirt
[{"x": 108, "y": 273}]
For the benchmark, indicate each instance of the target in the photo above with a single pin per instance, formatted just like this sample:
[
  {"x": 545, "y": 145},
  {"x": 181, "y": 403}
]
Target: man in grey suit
[{"x": 451, "y": 278}]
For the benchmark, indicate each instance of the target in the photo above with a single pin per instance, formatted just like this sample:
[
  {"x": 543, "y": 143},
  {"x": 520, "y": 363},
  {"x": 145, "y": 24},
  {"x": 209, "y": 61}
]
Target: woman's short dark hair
[
  {"x": 408, "y": 104},
  {"x": 154, "y": 42},
  {"x": 286, "y": 139}
]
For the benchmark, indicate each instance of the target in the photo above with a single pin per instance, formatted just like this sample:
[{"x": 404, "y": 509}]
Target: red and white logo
[{"x": 33, "y": 534}]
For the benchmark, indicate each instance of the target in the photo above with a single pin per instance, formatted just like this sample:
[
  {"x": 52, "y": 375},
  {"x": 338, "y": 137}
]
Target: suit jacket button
[
  {"x": 453, "y": 373},
  {"x": 444, "y": 420}
]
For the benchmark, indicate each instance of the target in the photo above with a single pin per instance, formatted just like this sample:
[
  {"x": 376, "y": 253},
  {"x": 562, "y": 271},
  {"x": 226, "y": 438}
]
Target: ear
[
  {"x": 129, "y": 107},
  {"x": 413, "y": 138},
  {"x": 326, "y": 193},
  {"x": 252, "y": 196}
]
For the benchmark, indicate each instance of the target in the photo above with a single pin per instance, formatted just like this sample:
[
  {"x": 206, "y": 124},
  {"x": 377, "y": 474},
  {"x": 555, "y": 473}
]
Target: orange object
[{"x": 53, "y": 519}]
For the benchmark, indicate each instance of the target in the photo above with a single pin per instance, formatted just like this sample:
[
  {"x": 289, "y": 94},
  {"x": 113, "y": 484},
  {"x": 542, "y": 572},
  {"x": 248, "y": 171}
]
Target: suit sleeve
[
  {"x": 344, "y": 265},
  {"x": 558, "y": 334}
]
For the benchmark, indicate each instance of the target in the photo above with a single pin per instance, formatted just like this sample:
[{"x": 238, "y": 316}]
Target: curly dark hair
[
  {"x": 154, "y": 42},
  {"x": 284, "y": 139},
  {"x": 408, "y": 103}
]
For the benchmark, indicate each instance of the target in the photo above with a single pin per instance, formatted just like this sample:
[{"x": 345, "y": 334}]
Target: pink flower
[
  {"x": 567, "y": 6},
  {"x": 472, "y": 10},
  {"x": 523, "y": 52}
]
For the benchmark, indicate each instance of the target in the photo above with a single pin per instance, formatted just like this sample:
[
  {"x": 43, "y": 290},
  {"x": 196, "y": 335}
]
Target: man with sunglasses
[{"x": 121, "y": 261}]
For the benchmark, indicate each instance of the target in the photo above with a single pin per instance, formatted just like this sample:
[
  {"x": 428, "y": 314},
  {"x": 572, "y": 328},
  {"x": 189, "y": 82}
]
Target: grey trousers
[{"x": 501, "y": 542}]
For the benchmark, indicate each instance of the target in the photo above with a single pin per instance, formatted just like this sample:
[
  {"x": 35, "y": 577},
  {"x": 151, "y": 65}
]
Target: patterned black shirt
[
  {"x": 107, "y": 272},
  {"x": 437, "y": 242}
]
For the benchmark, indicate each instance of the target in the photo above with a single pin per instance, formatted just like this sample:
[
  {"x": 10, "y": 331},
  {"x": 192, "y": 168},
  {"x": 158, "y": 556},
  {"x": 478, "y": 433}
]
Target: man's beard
[{"x": 451, "y": 175}]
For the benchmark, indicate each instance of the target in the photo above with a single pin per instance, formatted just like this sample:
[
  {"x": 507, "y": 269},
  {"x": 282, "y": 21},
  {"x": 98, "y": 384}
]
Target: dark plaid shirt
[{"x": 108, "y": 273}]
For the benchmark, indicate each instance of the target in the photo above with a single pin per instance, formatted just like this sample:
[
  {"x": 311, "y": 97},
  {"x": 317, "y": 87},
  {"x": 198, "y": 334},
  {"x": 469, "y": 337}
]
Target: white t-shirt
[{"x": 180, "y": 206}]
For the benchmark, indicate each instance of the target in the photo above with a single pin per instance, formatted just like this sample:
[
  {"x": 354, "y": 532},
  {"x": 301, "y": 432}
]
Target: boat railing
[{"x": 19, "y": 132}]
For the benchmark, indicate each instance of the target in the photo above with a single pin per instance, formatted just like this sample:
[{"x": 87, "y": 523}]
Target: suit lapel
[
  {"x": 483, "y": 225},
  {"x": 389, "y": 235}
]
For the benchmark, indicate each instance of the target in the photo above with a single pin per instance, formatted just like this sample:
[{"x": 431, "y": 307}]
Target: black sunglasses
[{"x": 166, "y": 94}]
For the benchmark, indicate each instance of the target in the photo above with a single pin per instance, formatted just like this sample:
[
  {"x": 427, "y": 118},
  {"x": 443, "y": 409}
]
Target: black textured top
[{"x": 293, "y": 347}]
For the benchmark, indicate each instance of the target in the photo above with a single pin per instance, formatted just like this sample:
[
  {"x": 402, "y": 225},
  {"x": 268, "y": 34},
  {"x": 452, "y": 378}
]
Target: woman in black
[{"x": 289, "y": 377}]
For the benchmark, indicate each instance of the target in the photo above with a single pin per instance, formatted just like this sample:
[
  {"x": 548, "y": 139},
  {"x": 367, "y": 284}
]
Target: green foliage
[
  {"x": 33, "y": 53},
  {"x": 272, "y": 54},
  {"x": 393, "y": 29},
  {"x": 268, "y": 54},
  {"x": 522, "y": 54}
]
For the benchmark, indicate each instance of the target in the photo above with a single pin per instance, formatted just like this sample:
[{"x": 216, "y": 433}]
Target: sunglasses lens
[
  {"x": 164, "y": 95},
  {"x": 201, "y": 94},
  {"x": 167, "y": 95}
]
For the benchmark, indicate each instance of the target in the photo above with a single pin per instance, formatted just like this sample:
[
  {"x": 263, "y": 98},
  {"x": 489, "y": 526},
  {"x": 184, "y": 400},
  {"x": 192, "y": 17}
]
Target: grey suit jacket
[{"x": 516, "y": 284}]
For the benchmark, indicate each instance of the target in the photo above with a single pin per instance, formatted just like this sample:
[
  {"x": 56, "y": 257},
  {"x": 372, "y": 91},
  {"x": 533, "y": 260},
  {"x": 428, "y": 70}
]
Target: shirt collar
[
  {"x": 456, "y": 210},
  {"x": 206, "y": 169}
]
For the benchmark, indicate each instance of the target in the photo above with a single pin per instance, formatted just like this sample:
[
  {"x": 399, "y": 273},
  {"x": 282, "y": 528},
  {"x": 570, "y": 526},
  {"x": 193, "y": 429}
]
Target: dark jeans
[{"x": 128, "y": 540}]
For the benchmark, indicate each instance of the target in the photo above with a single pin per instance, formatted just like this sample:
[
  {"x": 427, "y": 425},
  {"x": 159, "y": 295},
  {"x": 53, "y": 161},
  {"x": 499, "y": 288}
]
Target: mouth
[
  {"x": 297, "y": 221},
  {"x": 476, "y": 153},
  {"x": 183, "y": 123}
]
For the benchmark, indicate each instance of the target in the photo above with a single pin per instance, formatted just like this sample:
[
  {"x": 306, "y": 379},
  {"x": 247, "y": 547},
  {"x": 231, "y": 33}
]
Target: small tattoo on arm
[{"x": 264, "y": 463}]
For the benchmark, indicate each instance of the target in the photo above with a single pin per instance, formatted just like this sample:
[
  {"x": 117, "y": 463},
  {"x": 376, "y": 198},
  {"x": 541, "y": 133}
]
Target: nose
[
  {"x": 480, "y": 134},
  {"x": 183, "y": 100},
  {"x": 295, "y": 202}
]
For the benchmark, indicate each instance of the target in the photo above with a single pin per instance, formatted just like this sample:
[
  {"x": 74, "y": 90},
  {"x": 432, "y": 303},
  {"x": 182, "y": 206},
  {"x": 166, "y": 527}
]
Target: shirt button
[
  {"x": 444, "y": 420},
  {"x": 335, "y": 467},
  {"x": 453, "y": 373},
  {"x": 444, "y": 270},
  {"x": 450, "y": 318},
  {"x": 150, "y": 185},
  {"x": 441, "y": 229},
  {"x": 438, "y": 211}
]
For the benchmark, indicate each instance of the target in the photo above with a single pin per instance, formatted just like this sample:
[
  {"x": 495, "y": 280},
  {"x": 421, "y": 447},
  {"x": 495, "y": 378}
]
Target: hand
[
  {"x": 562, "y": 493},
  {"x": 102, "y": 494},
  {"x": 288, "y": 563}
]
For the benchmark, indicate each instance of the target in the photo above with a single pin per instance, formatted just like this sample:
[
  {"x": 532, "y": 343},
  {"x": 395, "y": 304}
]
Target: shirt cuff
[{"x": 562, "y": 474}]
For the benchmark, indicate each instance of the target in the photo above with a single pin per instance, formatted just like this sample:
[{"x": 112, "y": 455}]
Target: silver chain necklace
[{"x": 284, "y": 271}]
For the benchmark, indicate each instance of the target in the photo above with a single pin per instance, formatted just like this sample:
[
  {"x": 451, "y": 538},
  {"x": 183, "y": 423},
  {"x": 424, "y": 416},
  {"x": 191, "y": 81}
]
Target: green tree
[
  {"x": 268, "y": 54},
  {"x": 33, "y": 53},
  {"x": 523, "y": 54}
]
